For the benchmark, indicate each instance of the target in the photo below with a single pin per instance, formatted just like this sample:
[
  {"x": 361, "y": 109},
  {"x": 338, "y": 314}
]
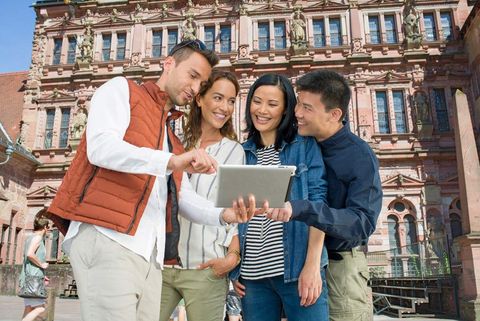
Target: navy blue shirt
[{"x": 354, "y": 193}]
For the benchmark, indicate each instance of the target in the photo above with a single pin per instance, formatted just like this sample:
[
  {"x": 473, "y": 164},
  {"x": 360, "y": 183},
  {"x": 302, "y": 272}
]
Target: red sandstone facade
[{"x": 403, "y": 62}]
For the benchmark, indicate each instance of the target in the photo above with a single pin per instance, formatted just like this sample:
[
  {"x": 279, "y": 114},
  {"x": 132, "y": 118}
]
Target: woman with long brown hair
[{"x": 205, "y": 251}]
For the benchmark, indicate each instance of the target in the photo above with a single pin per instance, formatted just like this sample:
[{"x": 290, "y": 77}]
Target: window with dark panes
[
  {"x": 121, "y": 45},
  {"x": 49, "y": 128},
  {"x": 447, "y": 27},
  {"x": 382, "y": 112},
  {"x": 318, "y": 33},
  {"x": 430, "y": 29},
  {"x": 57, "y": 50},
  {"x": 441, "y": 110},
  {"x": 225, "y": 39},
  {"x": 157, "y": 43},
  {"x": 374, "y": 26},
  {"x": 72, "y": 50},
  {"x": 390, "y": 29},
  {"x": 280, "y": 35},
  {"x": 64, "y": 124},
  {"x": 172, "y": 38},
  {"x": 399, "y": 109},
  {"x": 263, "y": 36},
  {"x": 209, "y": 32},
  {"x": 335, "y": 32},
  {"x": 106, "y": 46}
]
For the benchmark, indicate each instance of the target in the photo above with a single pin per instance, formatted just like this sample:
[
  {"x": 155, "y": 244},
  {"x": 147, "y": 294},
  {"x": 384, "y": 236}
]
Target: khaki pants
[
  {"x": 203, "y": 292},
  {"x": 349, "y": 296},
  {"x": 114, "y": 284}
]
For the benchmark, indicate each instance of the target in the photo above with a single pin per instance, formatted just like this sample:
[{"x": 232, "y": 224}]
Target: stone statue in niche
[
  {"x": 411, "y": 25},
  {"x": 297, "y": 33},
  {"x": 189, "y": 32},
  {"x": 86, "y": 47},
  {"x": 298, "y": 28},
  {"x": 79, "y": 123},
  {"x": 422, "y": 108}
]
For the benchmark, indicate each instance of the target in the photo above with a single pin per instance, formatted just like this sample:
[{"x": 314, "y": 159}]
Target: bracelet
[{"x": 236, "y": 253}]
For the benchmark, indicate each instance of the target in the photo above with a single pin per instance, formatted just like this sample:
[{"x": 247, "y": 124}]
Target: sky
[{"x": 17, "y": 21}]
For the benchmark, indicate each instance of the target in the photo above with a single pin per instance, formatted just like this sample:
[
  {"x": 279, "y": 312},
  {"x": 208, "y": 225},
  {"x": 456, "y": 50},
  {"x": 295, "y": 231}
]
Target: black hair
[
  {"x": 333, "y": 88},
  {"x": 287, "y": 128}
]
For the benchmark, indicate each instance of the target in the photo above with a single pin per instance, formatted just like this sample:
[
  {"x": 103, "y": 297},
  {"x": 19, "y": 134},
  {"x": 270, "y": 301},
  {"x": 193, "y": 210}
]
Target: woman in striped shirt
[
  {"x": 205, "y": 251},
  {"x": 283, "y": 264}
]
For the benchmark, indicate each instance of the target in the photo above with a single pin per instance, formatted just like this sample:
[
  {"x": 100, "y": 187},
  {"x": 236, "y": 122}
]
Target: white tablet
[{"x": 270, "y": 183}]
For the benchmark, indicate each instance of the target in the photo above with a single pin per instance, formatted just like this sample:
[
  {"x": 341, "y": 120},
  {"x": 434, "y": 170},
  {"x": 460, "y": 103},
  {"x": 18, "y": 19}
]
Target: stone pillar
[{"x": 469, "y": 181}]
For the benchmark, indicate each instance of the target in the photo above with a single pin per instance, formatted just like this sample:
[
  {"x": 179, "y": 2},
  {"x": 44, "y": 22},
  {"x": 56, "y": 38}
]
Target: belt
[{"x": 336, "y": 255}]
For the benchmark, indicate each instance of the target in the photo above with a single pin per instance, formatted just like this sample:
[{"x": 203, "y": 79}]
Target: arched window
[
  {"x": 455, "y": 225},
  {"x": 394, "y": 239},
  {"x": 411, "y": 234},
  {"x": 455, "y": 214},
  {"x": 393, "y": 233}
]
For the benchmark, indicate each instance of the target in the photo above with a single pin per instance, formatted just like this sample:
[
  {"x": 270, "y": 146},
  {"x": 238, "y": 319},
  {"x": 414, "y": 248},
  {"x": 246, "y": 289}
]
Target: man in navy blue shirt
[{"x": 354, "y": 193}]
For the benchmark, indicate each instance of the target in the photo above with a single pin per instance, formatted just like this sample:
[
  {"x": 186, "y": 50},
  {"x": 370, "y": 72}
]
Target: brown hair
[
  {"x": 184, "y": 52},
  {"x": 40, "y": 221},
  {"x": 192, "y": 129}
]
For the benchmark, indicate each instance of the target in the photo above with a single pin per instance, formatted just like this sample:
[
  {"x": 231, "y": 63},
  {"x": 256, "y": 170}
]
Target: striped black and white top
[
  {"x": 200, "y": 243},
  {"x": 263, "y": 255}
]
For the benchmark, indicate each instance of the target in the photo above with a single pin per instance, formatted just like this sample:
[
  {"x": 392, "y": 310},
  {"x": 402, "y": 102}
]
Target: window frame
[
  {"x": 72, "y": 52},
  {"x": 157, "y": 46},
  {"x": 64, "y": 127},
  {"x": 339, "y": 36},
  {"x": 57, "y": 51},
  {"x": 264, "y": 39},
  {"x": 321, "y": 36},
  {"x": 225, "y": 30},
  {"x": 106, "y": 51},
  {"x": 49, "y": 129},
  {"x": 121, "y": 49},
  {"x": 433, "y": 36},
  {"x": 378, "y": 31},
  {"x": 280, "y": 37}
]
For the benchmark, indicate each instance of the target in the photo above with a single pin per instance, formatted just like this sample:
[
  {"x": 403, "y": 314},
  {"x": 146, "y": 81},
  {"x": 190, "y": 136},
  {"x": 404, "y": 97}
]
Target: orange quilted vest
[{"x": 112, "y": 199}]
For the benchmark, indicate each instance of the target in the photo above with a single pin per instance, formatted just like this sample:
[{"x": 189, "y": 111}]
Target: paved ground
[{"x": 11, "y": 309}]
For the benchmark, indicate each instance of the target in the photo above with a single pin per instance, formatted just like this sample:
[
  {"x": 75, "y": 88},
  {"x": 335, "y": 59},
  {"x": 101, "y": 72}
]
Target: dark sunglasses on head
[{"x": 194, "y": 44}]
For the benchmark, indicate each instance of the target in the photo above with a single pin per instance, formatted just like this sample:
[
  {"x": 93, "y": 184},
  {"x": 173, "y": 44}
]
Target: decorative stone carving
[
  {"x": 22, "y": 137},
  {"x": 422, "y": 108},
  {"x": 137, "y": 14},
  {"x": 357, "y": 46},
  {"x": 86, "y": 49},
  {"x": 79, "y": 123},
  {"x": 411, "y": 25},
  {"x": 164, "y": 10},
  {"x": 136, "y": 59},
  {"x": 189, "y": 31},
  {"x": 216, "y": 5},
  {"x": 243, "y": 52},
  {"x": 114, "y": 15},
  {"x": 297, "y": 33},
  {"x": 242, "y": 8}
]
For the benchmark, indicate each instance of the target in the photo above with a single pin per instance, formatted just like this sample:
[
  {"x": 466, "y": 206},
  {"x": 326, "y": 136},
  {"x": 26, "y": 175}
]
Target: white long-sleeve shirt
[{"x": 108, "y": 120}]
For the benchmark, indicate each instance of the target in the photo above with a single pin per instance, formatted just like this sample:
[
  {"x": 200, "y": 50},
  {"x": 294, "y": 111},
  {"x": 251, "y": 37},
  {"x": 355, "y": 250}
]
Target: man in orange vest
[{"x": 119, "y": 200}]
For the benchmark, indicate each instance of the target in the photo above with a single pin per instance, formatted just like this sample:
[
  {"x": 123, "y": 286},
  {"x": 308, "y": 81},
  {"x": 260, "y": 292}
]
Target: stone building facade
[{"x": 403, "y": 61}]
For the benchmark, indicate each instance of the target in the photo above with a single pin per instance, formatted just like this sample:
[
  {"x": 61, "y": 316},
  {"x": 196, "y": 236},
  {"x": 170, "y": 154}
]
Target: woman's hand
[
  {"x": 220, "y": 266},
  {"x": 309, "y": 285},
  {"x": 239, "y": 288}
]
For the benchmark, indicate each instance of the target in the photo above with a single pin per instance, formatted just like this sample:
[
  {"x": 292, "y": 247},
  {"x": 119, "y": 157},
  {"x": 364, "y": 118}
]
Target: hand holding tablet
[{"x": 266, "y": 183}]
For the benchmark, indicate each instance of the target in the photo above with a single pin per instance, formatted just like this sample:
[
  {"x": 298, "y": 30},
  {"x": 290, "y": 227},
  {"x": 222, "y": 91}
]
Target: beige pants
[
  {"x": 114, "y": 284},
  {"x": 204, "y": 294},
  {"x": 349, "y": 296}
]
